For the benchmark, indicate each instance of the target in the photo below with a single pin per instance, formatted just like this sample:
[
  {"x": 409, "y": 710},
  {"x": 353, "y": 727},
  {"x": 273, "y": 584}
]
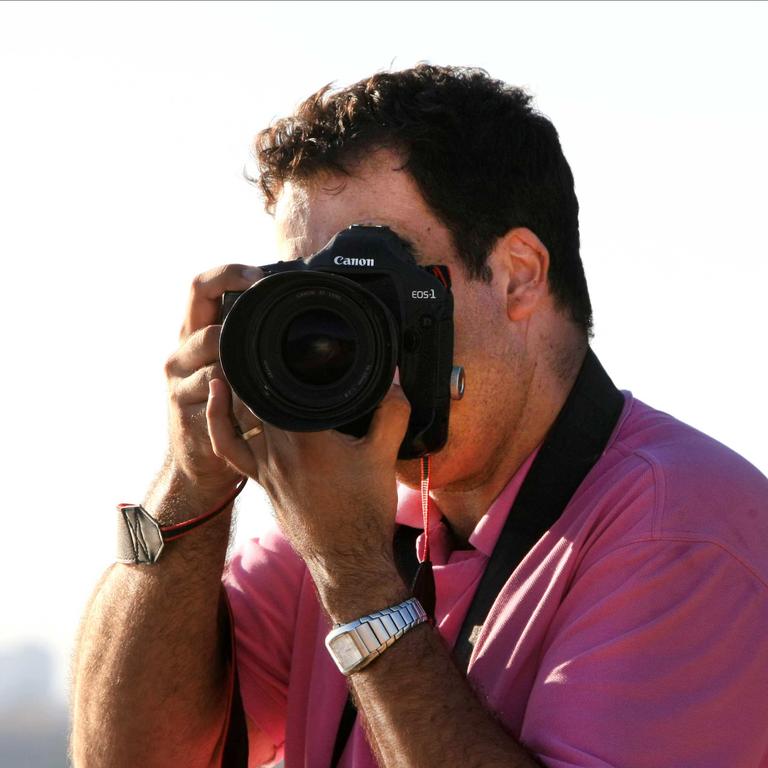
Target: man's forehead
[
  {"x": 292, "y": 221},
  {"x": 307, "y": 217}
]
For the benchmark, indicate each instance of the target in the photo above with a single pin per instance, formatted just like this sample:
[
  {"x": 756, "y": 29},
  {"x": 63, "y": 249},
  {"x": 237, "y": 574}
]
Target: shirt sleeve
[
  {"x": 263, "y": 581},
  {"x": 658, "y": 656}
]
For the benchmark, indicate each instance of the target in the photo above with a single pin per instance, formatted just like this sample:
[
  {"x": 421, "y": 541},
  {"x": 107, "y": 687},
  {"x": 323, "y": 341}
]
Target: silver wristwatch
[{"x": 355, "y": 645}]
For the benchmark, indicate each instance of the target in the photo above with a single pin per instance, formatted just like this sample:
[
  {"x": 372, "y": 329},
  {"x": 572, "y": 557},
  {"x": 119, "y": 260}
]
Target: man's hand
[
  {"x": 334, "y": 495},
  {"x": 335, "y": 498},
  {"x": 192, "y": 465},
  {"x": 151, "y": 672}
]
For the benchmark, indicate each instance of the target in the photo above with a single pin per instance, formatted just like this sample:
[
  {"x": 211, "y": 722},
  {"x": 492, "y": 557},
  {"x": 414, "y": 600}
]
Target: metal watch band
[{"x": 355, "y": 645}]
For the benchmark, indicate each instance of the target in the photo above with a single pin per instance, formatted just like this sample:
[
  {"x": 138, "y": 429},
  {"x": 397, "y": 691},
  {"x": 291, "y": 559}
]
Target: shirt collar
[{"x": 488, "y": 528}]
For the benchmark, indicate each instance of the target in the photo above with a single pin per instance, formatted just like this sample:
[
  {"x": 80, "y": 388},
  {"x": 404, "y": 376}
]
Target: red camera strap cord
[
  {"x": 426, "y": 465},
  {"x": 424, "y": 582}
]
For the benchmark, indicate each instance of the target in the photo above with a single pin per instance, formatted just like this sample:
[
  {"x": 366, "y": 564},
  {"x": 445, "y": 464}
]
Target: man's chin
[{"x": 408, "y": 472}]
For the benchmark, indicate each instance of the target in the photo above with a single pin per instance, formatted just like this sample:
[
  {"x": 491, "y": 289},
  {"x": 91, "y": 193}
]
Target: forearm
[
  {"x": 419, "y": 710},
  {"x": 335, "y": 498},
  {"x": 149, "y": 678}
]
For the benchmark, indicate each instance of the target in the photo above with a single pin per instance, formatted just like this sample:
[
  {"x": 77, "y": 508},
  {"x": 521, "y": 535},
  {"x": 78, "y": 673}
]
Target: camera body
[{"x": 314, "y": 344}]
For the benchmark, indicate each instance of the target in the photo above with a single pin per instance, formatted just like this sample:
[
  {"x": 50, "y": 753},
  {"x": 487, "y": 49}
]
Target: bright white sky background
[{"x": 123, "y": 131}]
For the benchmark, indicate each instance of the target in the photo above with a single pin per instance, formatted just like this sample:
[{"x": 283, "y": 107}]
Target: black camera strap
[
  {"x": 235, "y": 754},
  {"x": 572, "y": 447}
]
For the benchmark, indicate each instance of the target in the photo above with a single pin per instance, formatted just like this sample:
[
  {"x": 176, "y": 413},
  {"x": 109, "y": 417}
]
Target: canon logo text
[{"x": 345, "y": 262}]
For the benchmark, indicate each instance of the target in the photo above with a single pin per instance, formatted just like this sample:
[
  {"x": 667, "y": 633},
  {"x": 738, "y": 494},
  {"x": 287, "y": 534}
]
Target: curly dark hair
[{"x": 484, "y": 159}]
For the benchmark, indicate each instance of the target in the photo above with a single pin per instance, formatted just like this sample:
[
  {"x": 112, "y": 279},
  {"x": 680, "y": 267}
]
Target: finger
[
  {"x": 225, "y": 441},
  {"x": 390, "y": 422},
  {"x": 199, "y": 349},
  {"x": 244, "y": 416},
  {"x": 205, "y": 295},
  {"x": 193, "y": 389}
]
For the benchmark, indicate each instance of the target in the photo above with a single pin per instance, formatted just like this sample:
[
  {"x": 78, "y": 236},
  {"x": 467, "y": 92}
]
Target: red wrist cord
[{"x": 177, "y": 530}]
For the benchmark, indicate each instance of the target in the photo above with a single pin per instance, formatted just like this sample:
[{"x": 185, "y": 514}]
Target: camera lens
[
  {"x": 308, "y": 350},
  {"x": 319, "y": 347}
]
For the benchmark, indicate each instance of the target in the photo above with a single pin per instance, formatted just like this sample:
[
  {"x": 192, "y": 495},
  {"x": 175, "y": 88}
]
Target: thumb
[{"x": 390, "y": 421}]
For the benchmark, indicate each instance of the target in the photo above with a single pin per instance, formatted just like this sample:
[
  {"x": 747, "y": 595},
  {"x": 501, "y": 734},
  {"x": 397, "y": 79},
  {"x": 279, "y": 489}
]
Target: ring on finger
[{"x": 252, "y": 432}]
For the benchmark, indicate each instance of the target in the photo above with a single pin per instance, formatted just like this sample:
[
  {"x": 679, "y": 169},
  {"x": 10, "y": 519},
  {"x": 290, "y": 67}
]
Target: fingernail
[
  {"x": 396, "y": 380},
  {"x": 252, "y": 274}
]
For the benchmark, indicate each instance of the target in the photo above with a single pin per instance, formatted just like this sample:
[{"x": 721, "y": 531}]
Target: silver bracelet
[{"x": 355, "y": 645}]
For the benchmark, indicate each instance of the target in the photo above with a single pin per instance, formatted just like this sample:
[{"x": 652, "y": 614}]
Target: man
[{"x": 635, "y": 630}]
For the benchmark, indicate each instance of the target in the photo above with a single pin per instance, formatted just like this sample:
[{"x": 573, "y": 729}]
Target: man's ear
[{"x": 523, "y": 260}]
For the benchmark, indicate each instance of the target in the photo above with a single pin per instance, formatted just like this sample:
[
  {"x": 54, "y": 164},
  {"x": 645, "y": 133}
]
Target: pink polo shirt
[{"x": 635, "y": 632}]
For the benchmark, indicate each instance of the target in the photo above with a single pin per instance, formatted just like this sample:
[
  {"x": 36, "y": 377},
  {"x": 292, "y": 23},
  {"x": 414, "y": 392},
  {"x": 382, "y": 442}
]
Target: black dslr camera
[{"x": 315, "y": 343}]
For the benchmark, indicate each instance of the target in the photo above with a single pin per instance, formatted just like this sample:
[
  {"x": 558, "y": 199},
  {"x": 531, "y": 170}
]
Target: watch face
[{"x": 345, "y": 651}]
